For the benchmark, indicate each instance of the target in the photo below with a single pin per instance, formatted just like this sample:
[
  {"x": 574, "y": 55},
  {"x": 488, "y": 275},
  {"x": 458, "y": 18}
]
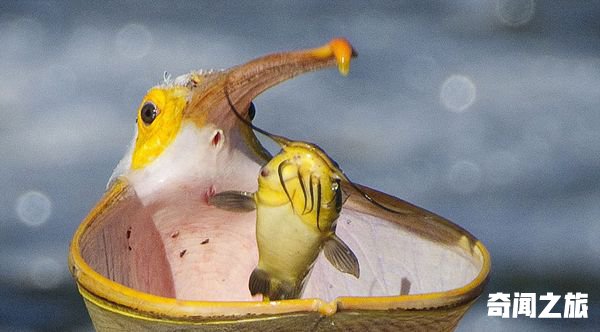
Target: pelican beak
[{"x": 241, "y": 84}]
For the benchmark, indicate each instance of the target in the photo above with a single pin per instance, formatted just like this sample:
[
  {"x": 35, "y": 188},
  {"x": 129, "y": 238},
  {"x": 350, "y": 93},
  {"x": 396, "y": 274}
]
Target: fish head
[{"x": 302, "y": 174}]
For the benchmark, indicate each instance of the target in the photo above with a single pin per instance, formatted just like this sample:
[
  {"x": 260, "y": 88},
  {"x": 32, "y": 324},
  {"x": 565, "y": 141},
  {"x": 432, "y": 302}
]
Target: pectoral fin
[
  {"x": 259, "y": 283},
  {"x": 235, "y": 201},
  {"x": 340, "y": 256}
]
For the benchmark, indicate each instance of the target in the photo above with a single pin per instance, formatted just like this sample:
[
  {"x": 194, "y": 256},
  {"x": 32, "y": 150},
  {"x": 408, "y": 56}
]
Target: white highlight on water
[
  {"x": 46, "y": 273},
  {"x": 134, "y": 41},
  {"x": 515, "y": 13},
  {"x": 464, "y": 177},
  {"x": 458, "y": 93},
  {"x": 33, "y": 208}
]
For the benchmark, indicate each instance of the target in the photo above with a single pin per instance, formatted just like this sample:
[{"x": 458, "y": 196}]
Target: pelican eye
[
  {"x": 148, "y": 113},
  {"x": 251, "y": 111}
]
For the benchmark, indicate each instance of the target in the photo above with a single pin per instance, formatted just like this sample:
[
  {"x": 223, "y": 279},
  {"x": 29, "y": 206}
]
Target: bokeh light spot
[
  {"x": 46, "y": 273},
  {"x": 458, "y": 93},
  {"x": 134, "y": 41},
  {"x": 515, "y": 13},
  {"x": 33, "y": 208},
  {"x": 464, "y": 177}
]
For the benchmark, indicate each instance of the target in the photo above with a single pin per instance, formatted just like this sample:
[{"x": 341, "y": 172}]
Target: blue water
[{"x": 486, "y": 112}]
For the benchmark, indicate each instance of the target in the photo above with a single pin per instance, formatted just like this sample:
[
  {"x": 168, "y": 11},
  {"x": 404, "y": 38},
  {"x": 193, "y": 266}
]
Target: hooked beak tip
[
  {"x": 341, "y": 49},
  {"x": 241, "y": 84}
]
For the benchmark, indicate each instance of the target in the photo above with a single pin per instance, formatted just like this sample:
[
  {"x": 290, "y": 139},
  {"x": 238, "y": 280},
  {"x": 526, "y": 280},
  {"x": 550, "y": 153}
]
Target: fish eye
[
  {"x": 251, "y": 111},
  {"x": 335, "y": 185},
  {"x": 148, "y": 113}
]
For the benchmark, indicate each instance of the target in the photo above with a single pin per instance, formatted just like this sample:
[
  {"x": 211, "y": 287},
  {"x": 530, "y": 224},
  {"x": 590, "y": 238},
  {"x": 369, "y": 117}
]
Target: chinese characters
[{"x": 525, "y": 304}]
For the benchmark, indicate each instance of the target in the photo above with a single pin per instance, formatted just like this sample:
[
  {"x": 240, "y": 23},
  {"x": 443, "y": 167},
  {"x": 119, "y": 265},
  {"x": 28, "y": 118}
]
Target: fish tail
[
  {"x": 272, "y": 290},
  {"x": 284, "y": 290}
]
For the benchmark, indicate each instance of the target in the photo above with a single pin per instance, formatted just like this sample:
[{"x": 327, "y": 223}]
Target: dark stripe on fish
[
  {"x": 280, "y": 172},
  {"x": 312, "y": 194},
  {"x": 318, "y": 203},
  {"x": 303, "y": 190}
]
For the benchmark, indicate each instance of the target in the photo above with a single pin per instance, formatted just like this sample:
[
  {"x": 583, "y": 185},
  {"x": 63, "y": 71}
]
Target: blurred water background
[{"x": 486, "y": 112}]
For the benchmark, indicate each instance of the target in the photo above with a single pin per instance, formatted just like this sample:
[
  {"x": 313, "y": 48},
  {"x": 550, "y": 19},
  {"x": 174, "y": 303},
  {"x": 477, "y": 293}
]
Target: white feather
[
  {"x": 125, "y": 163},
  {"x": 187, "y": 159}
]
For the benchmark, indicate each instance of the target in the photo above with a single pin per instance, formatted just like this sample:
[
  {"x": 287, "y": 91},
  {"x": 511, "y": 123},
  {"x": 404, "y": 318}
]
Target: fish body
[{"x": 298, "y": 201}]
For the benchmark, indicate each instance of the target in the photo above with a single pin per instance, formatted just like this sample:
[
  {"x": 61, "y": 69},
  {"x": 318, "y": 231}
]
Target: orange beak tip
[{"x": 343, "y": 52}]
